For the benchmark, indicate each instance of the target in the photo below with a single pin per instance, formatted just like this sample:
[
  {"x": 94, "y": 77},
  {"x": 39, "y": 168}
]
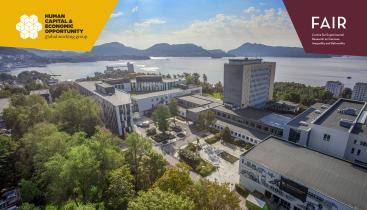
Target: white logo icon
[{"x": 29, "y": 27}]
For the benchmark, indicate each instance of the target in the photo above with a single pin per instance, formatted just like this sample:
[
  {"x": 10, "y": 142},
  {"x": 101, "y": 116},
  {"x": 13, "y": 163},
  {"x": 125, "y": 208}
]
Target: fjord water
[{"x": 310, "y": 71}]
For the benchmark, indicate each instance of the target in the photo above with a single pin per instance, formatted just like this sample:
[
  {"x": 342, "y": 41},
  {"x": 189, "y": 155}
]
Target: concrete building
[
  {"x": 45, "y": 93},
  {"x": 335, "y": 87},
  {"x": 261, "y": 120},
  {"x": 360, "y": 91},
  {"x": 145, "y": 103},
  {"x": 283, "y": 106},
  {"x": 248, "y": 82},
  {"x": 128, "y": 67},
  {"x": 116, "y": 105},
  {"x": 338, "y": 130},
  {"x": 145, "y": 83},
  {"x": 298, "y": 178}
]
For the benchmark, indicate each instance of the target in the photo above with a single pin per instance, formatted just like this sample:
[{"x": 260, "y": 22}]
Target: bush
[
  {"x": 151, "y": 132},
  {"x": 212, "y": 140},
  {"x": 162, "y": 137},
  {"x": 241, "y": 190},
  {"x": 204, "y": 168},
  {"x": 190, "y": 157},
  {"x": 228, "y": 157}
]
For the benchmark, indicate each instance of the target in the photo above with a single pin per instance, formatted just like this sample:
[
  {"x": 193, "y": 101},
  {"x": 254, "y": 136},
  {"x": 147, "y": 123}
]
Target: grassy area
[
  {"x": 215, "y": 95},
  {"x": 228, "y": 157},
  {"x": 240, "y": 143},
  {"x": 162, "y": 137},
  {"x": 204, "y": 168}
]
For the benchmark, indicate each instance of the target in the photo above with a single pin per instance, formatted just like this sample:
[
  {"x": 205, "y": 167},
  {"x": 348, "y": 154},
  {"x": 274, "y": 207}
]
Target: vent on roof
[
  {"x": 303, "y": 123},
  {"x": 318, "y": 111},
  {"x": 348, "y": 111},
  {"x": 345, "y": 123}
]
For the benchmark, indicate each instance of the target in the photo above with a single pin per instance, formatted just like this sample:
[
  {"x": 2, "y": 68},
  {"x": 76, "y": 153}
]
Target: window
[
  {"x": 355, "y": 141},
  {"x": 358, "y": 152},
  {"x": 326, "y": 137},
  {"x": 352, "y": 151}
]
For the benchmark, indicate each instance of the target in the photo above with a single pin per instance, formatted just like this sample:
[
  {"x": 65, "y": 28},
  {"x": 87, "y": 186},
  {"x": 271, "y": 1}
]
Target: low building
[
  {"x": 45, "y": 93},
  {"x": 258, "y": 119},
  {"x": 128, "y": 67},
  {"x": 145, "y": 83},
  {"x": 339, "y": 130},
  {"x": 145, "y": 103},
  {"x": 335, "y": 87},
  {"x": 296, "y": 177},
  {"x": 248, "y": 135},
  {"x": 360, "y": 91},
  {"x": 283, "y": 106},
  {"x": 116, "y": 105}
]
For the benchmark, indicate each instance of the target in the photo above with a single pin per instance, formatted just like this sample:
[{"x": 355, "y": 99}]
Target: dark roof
[
  {"x": 331, "y": 117},
  {"x": 116, "y": 81},
  {"x": 195, "y": 100},
  {"x": 308, "y": 116},
  {"x": 330, "y": 176},
  {"x": 149, "y": 78},
  {"x": 248, "y": 113}
]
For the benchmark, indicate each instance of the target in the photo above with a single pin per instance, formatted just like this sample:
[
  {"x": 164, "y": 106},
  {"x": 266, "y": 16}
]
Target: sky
[{"x": 212, "y": 24}]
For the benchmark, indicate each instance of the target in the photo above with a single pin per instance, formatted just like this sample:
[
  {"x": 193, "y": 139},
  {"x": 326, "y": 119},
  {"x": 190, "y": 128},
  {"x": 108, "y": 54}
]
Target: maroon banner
[{"x": 330, "y": 26}]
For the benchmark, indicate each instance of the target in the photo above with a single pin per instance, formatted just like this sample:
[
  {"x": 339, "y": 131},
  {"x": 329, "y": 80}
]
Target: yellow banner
[{"x": 49, "y": 24}]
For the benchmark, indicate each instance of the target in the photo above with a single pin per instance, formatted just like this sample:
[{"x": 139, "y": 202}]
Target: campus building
[
  {"x": 145, "y": 83},
  {"x": 146, "y": 102},
  {"x": 360, "y": 91},
  {"x": 248, "y": 82},
  {"x": 338, "y": 130},
  {"x": 295, "y": 177},
  {"x": 116, "y": 105},
  {"x": 335, "y": 87}
]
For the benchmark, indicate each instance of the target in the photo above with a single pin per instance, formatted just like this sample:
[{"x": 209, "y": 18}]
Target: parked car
[{"x": 144, "y": 124}]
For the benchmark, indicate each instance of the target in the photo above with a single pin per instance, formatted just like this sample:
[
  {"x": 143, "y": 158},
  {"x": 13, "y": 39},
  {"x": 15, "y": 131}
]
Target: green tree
[
  {"x": 28, "y": 206},
  {"x": 24, "y": 112},
  {"x": 156, "y": 199},
  {"x": 347, "y": 93},
  {"x": 205, "y": 78},
  {"x": 160, "y": 117},
  {"x": 120, "y": 189},
  {"x": 176, "y": 180},
  {"x": 173, "y": 109},
  {"x": 74, "y": 113},
  {"x": 58, "y": 89},
  {"x": 151, "y": 168},
  {"x": 218, "y": 87},
  {"x": 29, "y": 191},
  {"x": 137, "y": 147},
  {"x": 7, "y": 159},
  {"x": 212, "y": 195},
  {"x": 196, "y": 78},
  {"x": 205, "y": 119},
  {"x": 225, "y": 134}
]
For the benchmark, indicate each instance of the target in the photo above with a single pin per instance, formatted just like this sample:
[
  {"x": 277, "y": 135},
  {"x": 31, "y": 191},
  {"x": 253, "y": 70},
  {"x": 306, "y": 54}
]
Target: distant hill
[
  {"x": 17, "y": 58},
  {"x": 254, "y": 50},
  {"x": 51, "y": 53},
  {"x": 176, "y": 50},
  {"x": 219, "y": 53},
  {"x": 114, "y": 49}
]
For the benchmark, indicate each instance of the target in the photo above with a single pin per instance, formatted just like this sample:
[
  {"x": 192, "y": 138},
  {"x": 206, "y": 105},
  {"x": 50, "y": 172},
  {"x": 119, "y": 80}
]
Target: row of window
[
  {"x": 358, "y": 151},
  {"x": 238, "y": 135}
]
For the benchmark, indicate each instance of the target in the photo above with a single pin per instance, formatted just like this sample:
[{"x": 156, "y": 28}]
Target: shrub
[
  {"x": 212, "y": 140},
  {"x": 151, "y": 132},
  {"x": 241, "y": 190},
  {"x": 204, "y": 168},
  {"x": 189, "y": 157}
]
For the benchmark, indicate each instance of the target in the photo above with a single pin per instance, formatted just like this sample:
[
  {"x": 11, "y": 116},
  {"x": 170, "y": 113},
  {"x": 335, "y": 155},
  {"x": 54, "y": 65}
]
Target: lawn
[
  {"x": 215, "y": 95},
  {"x": 228, "y": 157}
]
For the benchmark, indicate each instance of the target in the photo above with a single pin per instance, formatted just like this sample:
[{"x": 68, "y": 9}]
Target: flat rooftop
[
  {"x": 203, "y": 108},
  {"x": 157, "y": 93},
  {"x": 247, "y": 131},
  {"x": 304, "y": 119},
  {"x": 332, "y": 116},
  {"x": 117, "y": 99},
  {"x": 267, "y": 117},
  {"x": 360, "y": 128},
  {"x": 330, "y": 176},
  {"x": 195, "y": 100}
]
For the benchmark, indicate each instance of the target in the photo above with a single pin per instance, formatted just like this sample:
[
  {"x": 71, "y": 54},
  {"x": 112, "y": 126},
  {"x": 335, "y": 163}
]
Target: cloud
[
  {"x": 135, "y": 9},
  {"x": 146, "y": 24},
  {"x": 117, "y": 14},
  {"x": 271, "y": 27},
  {"x": 251, "y": 10}
]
